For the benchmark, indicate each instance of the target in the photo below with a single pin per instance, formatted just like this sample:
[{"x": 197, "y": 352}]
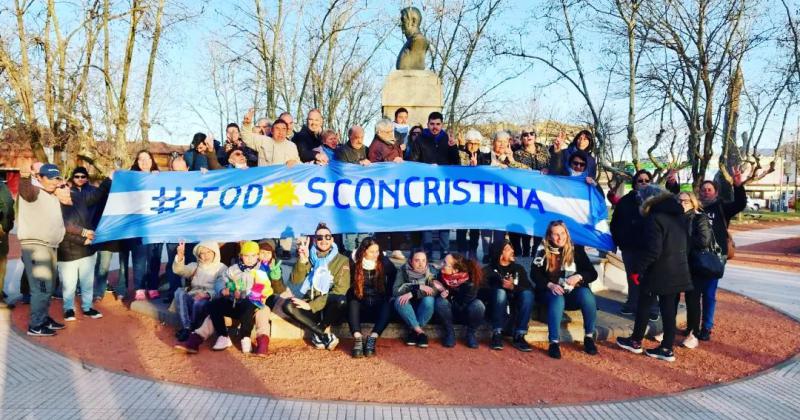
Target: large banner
[{"x": 276, "y": 201}]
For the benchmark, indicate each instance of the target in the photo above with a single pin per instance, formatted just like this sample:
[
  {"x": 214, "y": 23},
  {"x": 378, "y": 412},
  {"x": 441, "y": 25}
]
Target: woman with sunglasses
[
  {"x": 372, "y": 276},
  {"x": 324, "y": 276},
  {"x": 457, "y": 286},
  {"x": 562, "y": 272},
  {"x": 626, "y": 227},
  {"x": 584, "y": 143}
]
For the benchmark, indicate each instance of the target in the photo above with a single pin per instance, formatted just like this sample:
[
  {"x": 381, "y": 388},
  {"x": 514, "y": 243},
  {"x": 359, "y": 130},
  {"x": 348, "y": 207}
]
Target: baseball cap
[{"x": 48, "y": 170}]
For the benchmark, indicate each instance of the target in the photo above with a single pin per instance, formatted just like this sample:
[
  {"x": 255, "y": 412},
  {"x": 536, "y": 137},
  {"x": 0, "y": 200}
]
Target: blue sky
[{"x": 182, "y": 83}]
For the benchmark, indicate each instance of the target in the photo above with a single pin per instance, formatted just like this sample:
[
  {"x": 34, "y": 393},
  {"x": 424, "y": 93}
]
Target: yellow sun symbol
[{"x": 281, "y": 194}]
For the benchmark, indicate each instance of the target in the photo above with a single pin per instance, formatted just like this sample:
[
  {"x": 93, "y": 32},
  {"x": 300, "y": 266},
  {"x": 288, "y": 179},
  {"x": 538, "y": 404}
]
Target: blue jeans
[
  {"x": 417, "y": 312},
  {"x": 101, "y": 268},
  {"x": 582, "y": 298},
  {"x": 708, "y": 292},
  {"x": 191, "y": 312},
  {"x": 174, "y": 279},
  {"x": 146, "y": 266},
  {"x": 444, "y": 242},
  {"x": 72, "y": 272},
  {"x": 471, "y": 313},
  {"x": 523, "y": 307}
]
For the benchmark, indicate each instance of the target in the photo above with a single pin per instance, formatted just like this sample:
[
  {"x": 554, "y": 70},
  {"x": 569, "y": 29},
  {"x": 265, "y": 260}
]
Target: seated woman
[
  {"x": 562, "y": 273},
  {"x": 414, "y": 296},
  {"x": 203, "y": 278},
  {"x": 508, "y": 286},
  {"x": 458, "y": 286},
  {"x": 369, "y": 296},
  {"x": 244, "y": 285},
  {"x": 325, "y": 278}
]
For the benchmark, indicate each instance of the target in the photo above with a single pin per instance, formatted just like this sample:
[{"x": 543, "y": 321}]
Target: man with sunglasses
[{"x": 626, "y": 228}]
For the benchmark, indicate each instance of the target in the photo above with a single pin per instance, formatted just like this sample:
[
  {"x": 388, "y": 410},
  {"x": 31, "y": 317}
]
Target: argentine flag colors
[{"x": 276, "y": 201}]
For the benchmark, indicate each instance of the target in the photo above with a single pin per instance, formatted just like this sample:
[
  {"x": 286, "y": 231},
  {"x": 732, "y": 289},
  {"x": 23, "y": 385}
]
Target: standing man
[
  {"x": 6, "y": 224},
  {"x": 263, "y": 127},
  {"x": 287, "y": 118},
  {"x": 401, "y": 128},
  {"x": 309, "y": 138},
  {"x": 275, "y": 150},
  {"x": 434, "y": 146},
  {"x": 41, "y": 230},
  {"x": 353, "y": 152}
]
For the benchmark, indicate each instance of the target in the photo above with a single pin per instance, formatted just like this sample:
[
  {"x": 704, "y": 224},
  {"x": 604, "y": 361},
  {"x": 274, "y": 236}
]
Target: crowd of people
[{"x": 660, "y": 232}]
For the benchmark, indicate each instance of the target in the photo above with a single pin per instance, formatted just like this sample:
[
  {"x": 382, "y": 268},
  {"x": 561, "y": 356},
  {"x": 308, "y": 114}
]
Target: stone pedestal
[{"x": 418, "y": 91}]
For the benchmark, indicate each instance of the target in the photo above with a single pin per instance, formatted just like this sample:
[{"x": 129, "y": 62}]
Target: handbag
[
  {"x": 708, "y": 263},
  {"x": 731, "y": 246}
]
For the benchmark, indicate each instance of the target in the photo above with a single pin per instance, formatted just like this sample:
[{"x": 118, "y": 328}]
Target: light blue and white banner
[{"x": 276, "y": 201}]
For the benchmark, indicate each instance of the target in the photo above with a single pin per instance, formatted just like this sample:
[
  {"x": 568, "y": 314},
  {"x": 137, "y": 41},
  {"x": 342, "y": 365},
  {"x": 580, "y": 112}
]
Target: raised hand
[
  {"x": 180, "y": 251},
  {"x": 737, "y": 177},
  {"x": 248, "y": 118}
]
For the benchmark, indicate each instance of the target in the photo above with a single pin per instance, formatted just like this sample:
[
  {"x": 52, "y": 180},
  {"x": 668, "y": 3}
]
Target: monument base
[{"x": 418, "y": 91}]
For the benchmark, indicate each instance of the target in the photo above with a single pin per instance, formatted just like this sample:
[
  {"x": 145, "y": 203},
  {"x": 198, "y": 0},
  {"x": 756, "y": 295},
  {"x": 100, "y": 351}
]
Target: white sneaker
[
  {"x": 690, "y": 342},
  {"x": 316, "y": 341},
  {"x": 331, "y": 341},
  {"x": 247, "y": 346},
  {"x": 222, "y": 343},
  {"x": 659, "y": 337}
]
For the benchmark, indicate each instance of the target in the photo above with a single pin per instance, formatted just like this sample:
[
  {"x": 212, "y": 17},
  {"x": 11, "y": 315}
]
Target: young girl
[
  {"x": 204, "y": 278},
  {"x": 458, "y": 286},
  {"x": 272, "y": 266},
  {"x": 235, "y": 300},
  {"x": 369, "y": 295}
]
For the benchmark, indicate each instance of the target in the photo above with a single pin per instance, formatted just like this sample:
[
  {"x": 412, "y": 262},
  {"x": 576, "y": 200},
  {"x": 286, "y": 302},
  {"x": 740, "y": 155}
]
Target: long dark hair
[
  {"x": 589, "y": 136},
  {"x": 153, "y": 165},
  {"x": 471, "y": 267},
  {"x": 358, "y": 272}
]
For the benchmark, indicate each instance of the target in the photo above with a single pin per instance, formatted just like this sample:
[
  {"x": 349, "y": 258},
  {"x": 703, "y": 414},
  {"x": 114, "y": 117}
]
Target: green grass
[{"x": 769, "y": 215}]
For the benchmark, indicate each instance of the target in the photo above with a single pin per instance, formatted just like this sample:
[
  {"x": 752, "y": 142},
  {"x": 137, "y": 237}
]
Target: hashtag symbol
[{"x": 163, "y": 200}]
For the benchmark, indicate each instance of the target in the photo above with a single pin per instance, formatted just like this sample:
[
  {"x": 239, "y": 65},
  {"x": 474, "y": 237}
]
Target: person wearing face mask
[
  {"x": 562, "y": 272},
  {"x": 661, "y": 269},
  {"x": 369, "y": 296},
  {"x": 309, "y": 138},
  {"x": 401, "y": 128},
  {"x": 324, "y": 276},
  {"x": 414, "y": 296},
  {"x": 719, "y": 214},
  {"x": 583, "y": 142}
]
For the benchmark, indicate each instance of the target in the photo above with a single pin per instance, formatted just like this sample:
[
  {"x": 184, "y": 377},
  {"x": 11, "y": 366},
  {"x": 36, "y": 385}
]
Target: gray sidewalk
[{"x": 38, "y": 383}]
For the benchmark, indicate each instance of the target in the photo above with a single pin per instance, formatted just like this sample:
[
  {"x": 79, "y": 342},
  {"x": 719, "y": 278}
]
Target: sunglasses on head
[{"x": 323, "y": 237}]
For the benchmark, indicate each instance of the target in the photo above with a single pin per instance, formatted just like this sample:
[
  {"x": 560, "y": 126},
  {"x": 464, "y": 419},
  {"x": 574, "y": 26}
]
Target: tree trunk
[{"x": 144, "y": 121}]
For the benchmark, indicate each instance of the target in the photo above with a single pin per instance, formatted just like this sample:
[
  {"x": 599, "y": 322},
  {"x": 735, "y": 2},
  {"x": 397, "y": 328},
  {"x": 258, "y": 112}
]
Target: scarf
[
  {"x": 368, "y": 264},
  {"x": 454, "y": 280},
  {"x": 319, "y": 278},
  {"x": 538, "y": 260},
  {"x": 418, "y": 278}
]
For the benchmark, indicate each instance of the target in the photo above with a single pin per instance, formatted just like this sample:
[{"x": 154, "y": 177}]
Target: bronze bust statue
[{"x": 412, "y": 56}]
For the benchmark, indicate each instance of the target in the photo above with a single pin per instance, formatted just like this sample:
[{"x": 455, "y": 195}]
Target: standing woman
[
  {"x": 701, "y": 237},
  {"x": 325, "y": 278},
  {"x": 584, "y": 142},
  {"x": 661, "y": 269},
  {"x": 458, "y": 286},
  {"x": 146, "y": 257},
  {"x": 562, "y": 273},
  {"x": 369, "y": 296}
]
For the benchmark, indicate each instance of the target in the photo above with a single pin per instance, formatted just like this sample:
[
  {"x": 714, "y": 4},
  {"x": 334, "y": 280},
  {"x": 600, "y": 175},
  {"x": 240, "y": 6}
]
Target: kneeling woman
[
  {"x": 325, "y": 278},
  {"x": 562, "y": 273},
  {"x": 370, "y": 295},
  {"x": 458, "y": 286}
]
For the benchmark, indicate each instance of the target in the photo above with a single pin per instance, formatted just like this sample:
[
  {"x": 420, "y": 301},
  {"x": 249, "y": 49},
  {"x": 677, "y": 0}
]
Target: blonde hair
[
  {"x": 567, "y": 253},
  {"x": 696, "y": 206}
]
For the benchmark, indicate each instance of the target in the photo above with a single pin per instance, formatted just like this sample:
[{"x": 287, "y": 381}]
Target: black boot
[{"x": 369, "y": 348}]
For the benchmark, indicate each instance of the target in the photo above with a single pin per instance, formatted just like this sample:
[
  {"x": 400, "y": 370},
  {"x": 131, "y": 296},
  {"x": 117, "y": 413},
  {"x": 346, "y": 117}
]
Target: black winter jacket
[
  {"x": 81, "y": 215},
  {"x": 583, "y": 266},
  {"x": 306, "y": 142},
  {"x": 720, "y": 215},
  {"x": 626, "y": 223},
  {"x": 430, "y": 149},
  {"x": 662, "y": 262}
]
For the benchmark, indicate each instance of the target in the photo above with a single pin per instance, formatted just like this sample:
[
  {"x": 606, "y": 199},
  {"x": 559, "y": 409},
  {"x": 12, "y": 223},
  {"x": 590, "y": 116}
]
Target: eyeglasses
[
  {"x": 642, "y": 181},
  {"x": 79, "y": 176},
  {"x": 323, "y": 237},
  {"x": 578, "y": 164}
]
